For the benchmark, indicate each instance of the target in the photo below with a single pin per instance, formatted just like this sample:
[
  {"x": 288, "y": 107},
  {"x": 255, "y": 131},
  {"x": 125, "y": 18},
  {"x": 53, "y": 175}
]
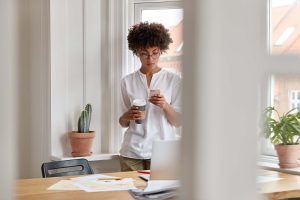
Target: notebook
[{"x": 164, "y": 161}]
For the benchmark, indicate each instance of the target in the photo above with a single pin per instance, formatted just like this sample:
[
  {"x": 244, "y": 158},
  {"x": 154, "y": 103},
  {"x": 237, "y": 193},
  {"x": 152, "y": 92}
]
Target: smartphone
[{"x": 154, "y": 92}]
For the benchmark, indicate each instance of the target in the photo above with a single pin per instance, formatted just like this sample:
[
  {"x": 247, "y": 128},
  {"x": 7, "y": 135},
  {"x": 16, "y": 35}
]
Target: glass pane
[
  {"x": 172, "y": 19},
  {"x": 293, "y": 95},
  {"x": 283, "y": 90},
  {"x": 285, "y": 27}
]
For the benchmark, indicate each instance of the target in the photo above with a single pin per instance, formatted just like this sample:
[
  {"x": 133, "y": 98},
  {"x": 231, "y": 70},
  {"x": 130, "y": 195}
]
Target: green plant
[
  {"x": 284, "y": 129},
  {"x": 85, "y": 119}
]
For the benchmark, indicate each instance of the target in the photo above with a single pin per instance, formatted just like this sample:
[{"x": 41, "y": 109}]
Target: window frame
[
  {"x": 273, "y": 65},
  {"x": 266, "y": 148},
  {"x": 137, "y": 8},
  {"x": 295, "y": 100},
  {"x": 121, "y": 17}
]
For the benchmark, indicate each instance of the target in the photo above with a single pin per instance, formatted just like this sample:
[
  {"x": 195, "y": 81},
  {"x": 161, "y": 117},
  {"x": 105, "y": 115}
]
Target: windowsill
[
  {"x": 271, "y": 163},
  {"x": 93, "y": 157}
]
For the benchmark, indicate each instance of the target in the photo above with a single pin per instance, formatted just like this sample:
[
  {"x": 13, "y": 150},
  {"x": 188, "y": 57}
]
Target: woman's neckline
[{"x": 155, "y": 71}]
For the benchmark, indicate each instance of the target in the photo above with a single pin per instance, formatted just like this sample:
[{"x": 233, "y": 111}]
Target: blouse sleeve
[
  {"x": 125, "y": 101},
  {"x": 176, "y": 96}
]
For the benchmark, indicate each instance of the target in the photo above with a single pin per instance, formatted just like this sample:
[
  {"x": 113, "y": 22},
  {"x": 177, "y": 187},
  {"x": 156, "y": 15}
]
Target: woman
[{"x": 161, "y": 90}]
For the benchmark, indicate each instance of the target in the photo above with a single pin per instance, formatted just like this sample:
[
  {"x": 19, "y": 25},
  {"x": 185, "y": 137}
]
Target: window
[
  {"x": 294, "y": 99},
  {"x": 170, "y": 14},
  {"x": 282, "y": 86},
  {"x": 285, "y": 26},
  {"x": 284, "y": 94}
]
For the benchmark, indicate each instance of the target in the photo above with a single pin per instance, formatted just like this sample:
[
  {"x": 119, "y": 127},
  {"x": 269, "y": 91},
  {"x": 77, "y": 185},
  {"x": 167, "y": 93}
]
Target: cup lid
[{"x": 139, "y": 102}]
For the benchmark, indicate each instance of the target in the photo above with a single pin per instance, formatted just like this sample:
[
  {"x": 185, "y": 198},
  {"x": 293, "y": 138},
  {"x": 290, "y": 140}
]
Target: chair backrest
[{"x": 66, "y": 168}]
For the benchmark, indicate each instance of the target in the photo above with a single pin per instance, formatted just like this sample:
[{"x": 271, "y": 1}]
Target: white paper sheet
[
  {"x": 64, "y": 185},
  {"x": 110, "y": 185},
  {"x": 265, "y": 179},
  {"x": 158, "y": 185},
  {"x": 92, "y": 177},
  {"x": 91, "y": 183}
]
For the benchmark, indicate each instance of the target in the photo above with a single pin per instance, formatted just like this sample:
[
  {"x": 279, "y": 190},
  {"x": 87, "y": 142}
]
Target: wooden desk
[
  {"x": 287, "y": 187},
  {"x": 36, "y": 189}
]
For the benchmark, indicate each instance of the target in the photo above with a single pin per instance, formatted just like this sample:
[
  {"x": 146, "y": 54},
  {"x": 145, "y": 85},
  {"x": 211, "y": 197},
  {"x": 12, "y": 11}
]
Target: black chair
[{"x": 66, "y": 168}]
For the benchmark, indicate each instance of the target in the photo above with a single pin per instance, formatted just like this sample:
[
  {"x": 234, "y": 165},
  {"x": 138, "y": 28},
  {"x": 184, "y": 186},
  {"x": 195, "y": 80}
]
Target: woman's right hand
[{"x": 132, "y": 114}]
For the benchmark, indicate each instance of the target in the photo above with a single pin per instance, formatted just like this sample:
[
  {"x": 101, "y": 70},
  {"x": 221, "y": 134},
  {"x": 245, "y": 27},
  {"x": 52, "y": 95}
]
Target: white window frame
[
  {"x": 266, "y": 148},
  {"x": 296, "y": 100},
  {"x": 150, "y": 5},
  {"x": 122, "y": 16},
  {"x": 137, "y": 7},
  {"x": 118, "y": 19},
  {"x": 275, "y": 64}
]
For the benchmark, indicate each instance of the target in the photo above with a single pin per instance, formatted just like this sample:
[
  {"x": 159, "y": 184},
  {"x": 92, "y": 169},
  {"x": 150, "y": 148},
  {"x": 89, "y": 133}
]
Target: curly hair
[{"x": 145, "y": 35}]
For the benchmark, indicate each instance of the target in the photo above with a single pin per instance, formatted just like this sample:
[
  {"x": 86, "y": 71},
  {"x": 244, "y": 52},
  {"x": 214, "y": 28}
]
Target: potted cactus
[{"x": 82, "y": 139}]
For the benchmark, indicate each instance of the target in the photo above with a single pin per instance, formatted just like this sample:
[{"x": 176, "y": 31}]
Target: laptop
[{"x": 164, "y": 161}]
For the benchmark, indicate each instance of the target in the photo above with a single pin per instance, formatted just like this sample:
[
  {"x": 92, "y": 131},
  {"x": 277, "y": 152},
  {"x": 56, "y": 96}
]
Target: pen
[
  {"x": 144, "y": 171},
  {"x": 109, "y": 179}
]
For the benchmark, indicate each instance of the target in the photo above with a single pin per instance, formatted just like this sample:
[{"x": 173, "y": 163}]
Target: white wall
[
  {"x": 87, "y": 58},
  {"x": 15, "y": 89},
  {"x": 26, "y": 70},
  {"x": 8, "y": 55},
  {"x": 64, "y": 41},
  {"x": 75, "y": 69},
  {"x": 23, "y": 89},
  {"x": 15, "y": 93},
  {"x": 39, "y": 83},
  {"x": 24, "y": 79},
  {"x": 222, "y": 56}
]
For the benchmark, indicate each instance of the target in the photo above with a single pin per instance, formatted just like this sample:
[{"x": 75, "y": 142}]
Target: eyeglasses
[{"x": 154, "y": 55}]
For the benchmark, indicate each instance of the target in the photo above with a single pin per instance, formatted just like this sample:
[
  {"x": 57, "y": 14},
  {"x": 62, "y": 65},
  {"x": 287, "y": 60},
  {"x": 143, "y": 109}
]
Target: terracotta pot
[
  {"x": 81, "y": 143},
  {"x": 288, "y": 155}
]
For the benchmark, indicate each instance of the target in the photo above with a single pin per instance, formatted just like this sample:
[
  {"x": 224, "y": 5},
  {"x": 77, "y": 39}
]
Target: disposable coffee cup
[{"x": 141, "y": 104}]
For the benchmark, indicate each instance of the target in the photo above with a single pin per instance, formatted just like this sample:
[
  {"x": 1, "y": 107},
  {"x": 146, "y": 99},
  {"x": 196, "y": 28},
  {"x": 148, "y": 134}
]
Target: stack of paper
[
  {"x": 94, "y": 183},
  {"x": 158, "y": 190},
  {"x": 101, "y": 186}
]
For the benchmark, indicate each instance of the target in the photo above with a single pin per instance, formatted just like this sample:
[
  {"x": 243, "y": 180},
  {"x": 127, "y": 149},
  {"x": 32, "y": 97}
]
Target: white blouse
[{"x": 138, "y": 138}]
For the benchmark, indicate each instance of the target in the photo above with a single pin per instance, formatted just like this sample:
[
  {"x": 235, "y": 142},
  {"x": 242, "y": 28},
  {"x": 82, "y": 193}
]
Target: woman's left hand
[
  {"x": 158, "y": 100},
  {"x": 173, "y": 117}
]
